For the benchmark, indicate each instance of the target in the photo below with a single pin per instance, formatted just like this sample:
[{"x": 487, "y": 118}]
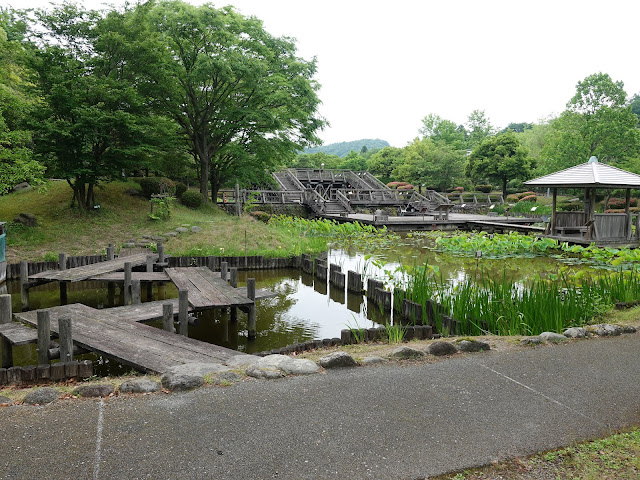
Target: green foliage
[
  {"x": 160, "y": 208},
  {"x": 395, "y": 333},
  {"x": 192, "y": 199},
  {"x": 157, "y": 186},
  {"x": 443, "y": 132},
  {"x": 180, "y": 189},
  {"x": 342, "y": 149},
  {"x": 500, "y": 158},
  {"x": 383, "y": 162},
  {"x": 484, "y": 188}
]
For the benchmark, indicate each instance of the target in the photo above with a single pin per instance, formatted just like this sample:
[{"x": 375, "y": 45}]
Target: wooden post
[
  {"x": 233, "y": 277},
  {"x": 127, "y": 283},
  {"x": 136, "y": 296},
  {"x": 251, "y": 294},
  {"x": 167, "y": 317},
  {"x": 111, "y": 294},
  {"x": 111, "y": 252},
  {"x": 64, "y": 298},
  {"x": 62, "y": 261},
  {"x": 211, "y": 262},
  {"x": 44, "y": 336},
  {"x": 149, "y": 263},
  {"x": 24, "y": 282},
  {"x": 627, "y": 211},
  {"x": 183, "y": 312},
  {"x": 554, "y": 206},
  {"x": 223, "y": 270},
  {"x": 66, "y": 339},
  {"x": 162, "y": 290},
  {"x": 161, "y": 258},
  {"x": 238, "y": 201},
  {"x": 7, "y": 354},
  {"x": 5, "y": 309}
]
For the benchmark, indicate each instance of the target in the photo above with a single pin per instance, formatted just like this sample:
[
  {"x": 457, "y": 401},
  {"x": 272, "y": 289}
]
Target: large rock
[
  {"x": 473, "y": 346},
  {"x": 241, "y": 361},
  {"x": 406, "y": 352},
  {"x": 41, "y": 396},
  {"x": 5, "y": 401},
  {"x": 372, "y": 360},
  {"x": 532, "y": 341},
  {"x": 284, "y": 363},
  {"x": 95, "y": 390},
  {"x": 268, "y": 373},
  {"x": 195, "y": 229},
  {"x": 337, "y": 360},
  {"x": 139, "y": 385},
  {"x": 27, "y": 219},
  {"x": 628, "y": 329},
  {"x": 189, "y": 375},
  {"x": 604, "y": 330},
  {"x": 552, "y": 337},
  {"x": 22, "y": 186},
  {"x": 576, "y": 332},
  {"x": 182, "y": 230},
  {"x": 441, "y": 348},
  {"x": 225, "y": 378}
]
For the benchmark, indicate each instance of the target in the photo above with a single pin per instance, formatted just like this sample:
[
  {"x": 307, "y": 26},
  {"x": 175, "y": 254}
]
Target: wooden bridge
[{"x": 334, "y": 192}]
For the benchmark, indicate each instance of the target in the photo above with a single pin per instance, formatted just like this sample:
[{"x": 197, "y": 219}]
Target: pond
[{"x": 303, "y": 308}]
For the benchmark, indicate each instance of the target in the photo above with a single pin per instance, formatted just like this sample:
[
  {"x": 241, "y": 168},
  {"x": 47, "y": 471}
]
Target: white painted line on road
[
  {"x": 546, "y": 397},
  {"x": 96, "y": 466}
]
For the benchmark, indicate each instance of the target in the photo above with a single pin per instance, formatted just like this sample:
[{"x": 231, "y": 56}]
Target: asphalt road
[{"x": 379, "y": 422}]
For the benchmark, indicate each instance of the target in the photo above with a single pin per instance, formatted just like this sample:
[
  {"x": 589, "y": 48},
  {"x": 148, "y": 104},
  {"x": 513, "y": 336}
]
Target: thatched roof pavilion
[{"x": 588, "y": 225}]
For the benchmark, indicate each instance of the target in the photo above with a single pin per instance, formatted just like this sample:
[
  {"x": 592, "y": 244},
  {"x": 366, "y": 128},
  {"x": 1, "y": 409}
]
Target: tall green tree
[
  {"x": 241, "y": 96},
  {"x": 478, "y": 128},
  {"x": 499, "y": 158},
  {"x": 442, "y": 131},
  {"x": 598, "y": 121},
  {"x": 16, "y": 157},
  {"x": 93, "y": 124},
  {"x": 425, "y": 162},
  {"x": 383, "y": 162}
]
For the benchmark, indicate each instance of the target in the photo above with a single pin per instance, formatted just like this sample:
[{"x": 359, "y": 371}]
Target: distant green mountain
[{"x": 342, "y": 149}]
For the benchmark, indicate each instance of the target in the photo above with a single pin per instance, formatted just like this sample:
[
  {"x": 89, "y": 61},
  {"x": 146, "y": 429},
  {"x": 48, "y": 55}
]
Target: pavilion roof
[{"x": 587, "y": 175}]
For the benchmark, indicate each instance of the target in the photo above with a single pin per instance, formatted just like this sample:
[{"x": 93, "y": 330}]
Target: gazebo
[{"x": 605, "y": 228}]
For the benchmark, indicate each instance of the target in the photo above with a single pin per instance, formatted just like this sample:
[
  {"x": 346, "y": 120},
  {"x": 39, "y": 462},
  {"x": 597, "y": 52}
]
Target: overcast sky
[{"x": 384, "y": 65}]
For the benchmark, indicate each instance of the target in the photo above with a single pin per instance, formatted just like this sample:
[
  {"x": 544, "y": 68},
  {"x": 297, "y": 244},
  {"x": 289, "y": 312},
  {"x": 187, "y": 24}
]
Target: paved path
[{"x": 387, "y": 422}]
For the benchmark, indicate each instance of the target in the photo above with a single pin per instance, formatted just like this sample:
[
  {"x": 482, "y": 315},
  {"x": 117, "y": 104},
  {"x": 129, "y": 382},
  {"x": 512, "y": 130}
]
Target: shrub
[
  {"x": 260, "y": 215},
  {"x": 405, "y": 187},
  {"x": 484, "y": 188},
  {"x": 528, "y": 198},
  {"x": 156, "y": 186},
  {"x": 191, "y": 199},
  {"x": 620, "y": 203},
  {"x": 180, "y": 189},
  {"x": 570, "y": 206},
  {"x": 459, "y": 189},
  {"x": 396, "y": 185},
  {"x": 622, "y": 210},
  {"x": 524, "y": 194},
  {"x": 513, "y": 198}
]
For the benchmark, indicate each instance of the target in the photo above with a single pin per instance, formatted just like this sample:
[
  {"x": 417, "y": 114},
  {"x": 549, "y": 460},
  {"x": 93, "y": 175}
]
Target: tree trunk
[
  {"x": 504, "y": 187},
  {"x": 215, "y": 186}
]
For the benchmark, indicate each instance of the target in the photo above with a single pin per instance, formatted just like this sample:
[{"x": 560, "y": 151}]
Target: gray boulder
[
  {"x": 6, "y": 401},
  {"x": 372, "y": 360},
  {"x": 96, "y": 390},
  {"x": 441, "y": 348},
  {"x": 285, "y": 364},
  {"x": 225, "y": 378},
  {"x": 26, "y": 219},
  {"x": 268, "y": 373},
  {"x": 473, "y": 346},
  {"x": 195, "y": 229},
  {"x": 576, "y": 332},
  {"x": 22, "y": 186},
  {"x": 552, "y": 337},
  {"x": 337, "y": 360},
  {"x": 41, "y": 396},
  {"x": 189, "y": 375},
  {"x": 182, "y": 230},
  {"x": 241, "y": 361},
  {"x": 139, "y": 385},
  {"x": 532, "y": 341},
  {"x": 406, "y": 352},
  {"x": 628, "y": 329},
  {"x": 158, "y": 238},
  {"x": 170, "y": 234},
  {"x": 604, "y": 330}
]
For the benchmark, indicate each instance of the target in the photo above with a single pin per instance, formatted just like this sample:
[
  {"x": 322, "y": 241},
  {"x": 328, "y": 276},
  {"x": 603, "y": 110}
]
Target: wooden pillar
[
  {"x": 65, "y": 339},
  {"x": 211, "y": 262},
  {"x": 44, "y": 336},
  {"x": 64, "y": 296},
  {"x": 111, "y": 294},
  {"x": 127, "y": 283},
  {"x": 111, "y": 252},
  {"x": 251, "y": 294},
  {"x": 223, "y": 270},
  {"x": 136, "y": 296},
  {"x": 62, "y": 261},
  {"x": 167, "y": 317},
  {"x": 554, "y": 207},
  {"x": 161, "y": 258},
  {"x": 183, "y": 312},
  {"x": 24, "y": 282},
  {"x": 7, "y": 354},
  {"x": 627, "y": 211},
  {"x": 5, "y": 309},
  {"x": 238, "y": 201},
  {"x": 149, "y": 263},
  {"x": 162, "y": 290},
  {"x": 233, "y": 281}
]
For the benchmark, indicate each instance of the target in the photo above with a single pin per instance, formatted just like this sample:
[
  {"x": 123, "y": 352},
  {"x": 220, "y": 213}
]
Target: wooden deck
[
  {"x": 141, "y": 346},
  {"x": 17, "y": 334},
  {"x": 206, "y": 288},
  {"x": 142, "y": 276},
  {"x": 86, "y": 272}
]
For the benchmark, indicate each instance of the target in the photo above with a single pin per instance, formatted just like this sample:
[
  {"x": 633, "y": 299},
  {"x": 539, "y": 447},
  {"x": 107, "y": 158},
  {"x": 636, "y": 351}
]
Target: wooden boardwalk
[
  {"x": 206, "y": 288},
  {"x": 141, "y": 346},
  {"x": 86, "y": 272},
  {"x": 142, "y": 276}
]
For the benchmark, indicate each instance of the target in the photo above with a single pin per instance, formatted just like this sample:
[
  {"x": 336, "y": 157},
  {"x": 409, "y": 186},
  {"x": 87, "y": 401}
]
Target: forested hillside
[{"x": 342, "y": 149}]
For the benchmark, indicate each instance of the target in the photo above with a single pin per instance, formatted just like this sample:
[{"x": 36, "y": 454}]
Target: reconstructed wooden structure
[{"x": 586, "y": 225}]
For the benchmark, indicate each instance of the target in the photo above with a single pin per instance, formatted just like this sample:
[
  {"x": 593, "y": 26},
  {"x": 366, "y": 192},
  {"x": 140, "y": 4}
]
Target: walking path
[{"x": 380, "y": 422}]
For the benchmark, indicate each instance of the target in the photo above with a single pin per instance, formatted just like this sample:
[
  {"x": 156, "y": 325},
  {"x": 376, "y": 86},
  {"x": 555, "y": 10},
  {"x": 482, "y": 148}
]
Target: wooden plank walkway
[
  {"x": 17, "y": 334},
  {"x": 141, "y": 346},
  {"x": 142, "y": 276},
  {"x": 206, "y": 288},
  {"x": 86, "y": 272}
]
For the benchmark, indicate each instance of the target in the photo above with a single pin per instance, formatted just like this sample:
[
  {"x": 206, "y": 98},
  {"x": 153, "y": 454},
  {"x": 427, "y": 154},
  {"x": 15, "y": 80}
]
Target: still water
[{"x": 303, "y": 307}]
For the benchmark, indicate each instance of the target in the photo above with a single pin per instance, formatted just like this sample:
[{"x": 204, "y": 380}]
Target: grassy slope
[{"x": 123, "y": 217}]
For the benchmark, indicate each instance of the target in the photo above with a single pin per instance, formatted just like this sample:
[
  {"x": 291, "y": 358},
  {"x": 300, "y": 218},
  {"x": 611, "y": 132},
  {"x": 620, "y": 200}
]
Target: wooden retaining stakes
[
  {"x": 65, "y": 339},
  {"x": 321, "y": 270},
  {"x": 307, "y": 264},
  {"x": 224, "y": 270},
  {"x": 354, "y": 282},
  {"x": 251, "y": 322},
  {"x": 167, "y": 317},
  {"x": 336, "y": 277},
  {"x": 43, "y": 373}
]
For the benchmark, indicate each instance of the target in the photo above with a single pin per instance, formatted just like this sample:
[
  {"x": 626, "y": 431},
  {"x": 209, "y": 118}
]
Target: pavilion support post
[
  {"x": 554, "y": 207},
  {"x": 627, "y": 211}
]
